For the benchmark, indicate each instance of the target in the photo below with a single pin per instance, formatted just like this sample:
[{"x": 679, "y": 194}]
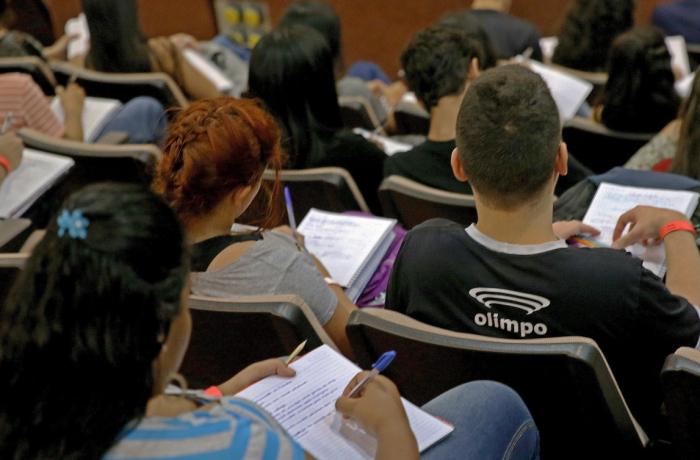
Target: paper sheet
[
  {"x": 81, "y": 44},
  {"x": 97, "y": 112},
  {"x": 209, "y": 70},
  {"x": 390, "y": 146},
  {"x": 569, "y": 92},
  {"x": 685, "y": 85},
  {"x": 343, "y": 243},
  {"x": 611, "y": 201},
  {"x": 548, "y": 45},
  {"x": 305, "y": 406},
  {"x": 34, "y": 176},
  {"x": 679, "y": 54}
]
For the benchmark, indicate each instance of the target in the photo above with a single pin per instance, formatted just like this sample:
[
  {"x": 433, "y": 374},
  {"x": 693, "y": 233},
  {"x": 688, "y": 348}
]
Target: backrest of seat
[
  {"x": 599, "y": 148},
  {"x": 123, "y": 87},
  {"x": 230, "y": 334},
  {"x": 565, "y": 382},
  {"x": 93, "y": 163},
  {"x": 412, "y": 203},
  {"x": 680, "y": 381},
  {"x": 10, "y": 267},
  {"x": 13, "y": 232},
  {"x": 34, "y": 66},
  {"x": 411, "y": 119},
  {"x": 357, "y": 112}
]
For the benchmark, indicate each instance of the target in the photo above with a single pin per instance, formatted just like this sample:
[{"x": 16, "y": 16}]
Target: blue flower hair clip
[{"x": 74, "y": 223}]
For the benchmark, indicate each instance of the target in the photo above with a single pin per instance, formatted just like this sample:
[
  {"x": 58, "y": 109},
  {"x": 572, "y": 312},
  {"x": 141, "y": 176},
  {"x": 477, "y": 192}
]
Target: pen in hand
[{"x": 377, "y": 367}]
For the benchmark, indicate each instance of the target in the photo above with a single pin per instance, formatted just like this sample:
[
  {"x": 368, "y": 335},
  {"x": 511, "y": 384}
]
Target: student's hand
[
  {"x": 11, "y": 148},
  {"x": 185, "y": 41},
  {"x": 287, "y": 230},
  {"x": 566, "y": 229},
  {"x": 59, "y": 50},
  {"x": 165, "y": 53},
  {"x": 377, "y": 407},
  {"x": 72, "y": 98},
  {"x": 253, "y": 373},
  {"x": 645, "y": 225}
]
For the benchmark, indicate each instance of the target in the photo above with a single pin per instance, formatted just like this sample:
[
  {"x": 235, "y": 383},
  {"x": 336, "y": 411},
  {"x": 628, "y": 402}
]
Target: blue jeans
[
  {"x": 491, "y": 423},
  {"x": 143, "y": 118}
]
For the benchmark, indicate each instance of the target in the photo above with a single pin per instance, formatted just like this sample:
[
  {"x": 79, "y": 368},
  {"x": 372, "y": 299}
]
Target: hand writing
[
  {"x": 645, "y": 224},
  {"x": 566, "y": 229}
]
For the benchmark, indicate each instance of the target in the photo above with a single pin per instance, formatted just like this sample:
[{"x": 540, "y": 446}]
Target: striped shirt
[
  {"x": 28, "y": 104},
  {"x": 234, "y": 430}
]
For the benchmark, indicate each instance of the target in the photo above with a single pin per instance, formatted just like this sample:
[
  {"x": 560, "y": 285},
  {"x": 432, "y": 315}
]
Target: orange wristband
[
  {"x": 676, "y": 226},
  {"x": 214, "y": 391},
  {"x": 5, "y": 164}
]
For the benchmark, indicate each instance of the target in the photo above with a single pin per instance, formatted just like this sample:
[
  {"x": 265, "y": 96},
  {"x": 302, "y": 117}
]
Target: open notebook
[
  {"x": 97, "y": 112},
  {"x": 611, "y": 201},
  {"x": 32, "y": 178},
  {"x": 350, "y": 247},
  {"x": 305, "y": 406}
]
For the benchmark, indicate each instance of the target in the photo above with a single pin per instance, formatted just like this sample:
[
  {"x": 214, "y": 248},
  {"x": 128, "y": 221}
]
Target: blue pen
[
  {"x": 290, "y": 211},
  {"x": 377, "y": 367}
]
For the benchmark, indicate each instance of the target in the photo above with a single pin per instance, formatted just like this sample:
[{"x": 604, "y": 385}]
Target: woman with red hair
[{"x": 210, "y": 172}]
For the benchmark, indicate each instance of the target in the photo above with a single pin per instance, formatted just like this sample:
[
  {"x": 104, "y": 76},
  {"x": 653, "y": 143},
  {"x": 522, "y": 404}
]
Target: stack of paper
[
  {"x": 350, "y": 247},
  {"x": 31, "y": 179},
  {"x": 97, "y": 112},
  {"x": 611, "y": 201},
  {"x": 390, "y": 145},
  {"x": 305, "y": 406}
]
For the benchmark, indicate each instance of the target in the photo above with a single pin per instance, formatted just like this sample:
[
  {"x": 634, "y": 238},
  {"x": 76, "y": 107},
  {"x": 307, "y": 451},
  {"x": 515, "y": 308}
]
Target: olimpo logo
[{"x": 494, "y": 296}]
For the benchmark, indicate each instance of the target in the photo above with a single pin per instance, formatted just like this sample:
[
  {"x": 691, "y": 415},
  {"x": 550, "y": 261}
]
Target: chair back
[
  {"x": 34, "y": 66},
  {"x": 411, "y": 119},
  {"x": 123, "y": 86},
  {"x": 230, "y": 334},
  {"x": 13, "y": 232},
  {"x": 357, "y": 112},
  {"x": 412, "y": 203},
  {"x": 565, "y": 382},
  {"x": 132, "y": 163},
  {"x": 600, "y": 148},
  {"x": 10, "y": 267},
  {"x": 680, "y": 382}
]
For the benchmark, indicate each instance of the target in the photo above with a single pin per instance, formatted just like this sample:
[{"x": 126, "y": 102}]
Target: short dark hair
[
  {"x": 436, "y": 62},
  {"x": 468, "y": 22},
  {"x": 319, "y": 16},
  {"x": 508, "y": 135}
]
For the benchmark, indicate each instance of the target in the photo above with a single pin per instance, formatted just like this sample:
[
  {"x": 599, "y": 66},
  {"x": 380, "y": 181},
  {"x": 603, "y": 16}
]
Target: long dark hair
[
  {"x": 84, "y": 322},
  {"x": 291, "y": 70},
  {"x": 639, "y": 95},
  {"x": 588, "y": 33},
  {"x": 117, "y": 44},
  {"x": 466, "y": 21},
  {"x": 687, "y": 159}
]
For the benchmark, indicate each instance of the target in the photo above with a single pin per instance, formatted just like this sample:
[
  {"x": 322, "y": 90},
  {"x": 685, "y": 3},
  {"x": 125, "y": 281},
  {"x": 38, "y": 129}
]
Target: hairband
[{"x": 74, "y": 223}]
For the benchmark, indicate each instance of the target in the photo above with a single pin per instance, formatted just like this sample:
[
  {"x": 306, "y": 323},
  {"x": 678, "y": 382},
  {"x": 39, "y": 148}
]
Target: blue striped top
[{"x": 235, "y": 429}]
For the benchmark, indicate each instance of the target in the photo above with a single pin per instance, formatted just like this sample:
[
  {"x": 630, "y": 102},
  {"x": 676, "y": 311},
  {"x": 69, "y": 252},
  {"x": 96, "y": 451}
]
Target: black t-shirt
[
  {"x": 444, "y": 277},
  {"x": 361, "y": 158},
  {"x": 510, "y": 35},
  {"x": 428, "y": 164}
]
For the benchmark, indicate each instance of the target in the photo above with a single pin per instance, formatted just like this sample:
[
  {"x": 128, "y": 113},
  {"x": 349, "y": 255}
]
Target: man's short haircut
[
  {"x": 508, "y": 135},
  {"x": 436, "y": 63}
]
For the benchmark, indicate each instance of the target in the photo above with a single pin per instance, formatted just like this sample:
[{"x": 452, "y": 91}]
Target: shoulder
[
  {"x": 437, "y": 233},
  {"x": 20, "y": 80}
]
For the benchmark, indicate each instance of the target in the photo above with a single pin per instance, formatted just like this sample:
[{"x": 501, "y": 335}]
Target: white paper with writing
[
  {"x": 97, "y": 112},
  {"x": 305, "y": 406},
  {"x": 611, "y": 201}
]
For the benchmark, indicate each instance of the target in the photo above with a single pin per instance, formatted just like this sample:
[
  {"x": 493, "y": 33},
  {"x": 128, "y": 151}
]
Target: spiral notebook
[
  {"x": 350, "y": 247},
  {"x": 305, "y": 406}
]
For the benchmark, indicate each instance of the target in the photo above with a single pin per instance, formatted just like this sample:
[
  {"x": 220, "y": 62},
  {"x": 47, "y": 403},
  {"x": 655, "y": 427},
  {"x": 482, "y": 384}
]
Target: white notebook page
[
  {"x": 569, "y": 92},
  {"x": 611, "y": 201},
  {"x": 343, "y": 243},
  {"x": 305, "y": 406},
  {"x": 97, "y": 112}
]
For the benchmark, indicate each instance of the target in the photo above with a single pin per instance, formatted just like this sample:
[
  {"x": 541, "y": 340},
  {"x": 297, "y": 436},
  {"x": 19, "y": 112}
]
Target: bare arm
[{"x": 72, "y": 100}]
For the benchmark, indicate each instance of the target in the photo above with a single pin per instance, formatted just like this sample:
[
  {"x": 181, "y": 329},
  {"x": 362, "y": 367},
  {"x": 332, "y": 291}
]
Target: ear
[
  {"x": 562, "y": 162},
  {"x": 474, "y": 70},
  {"x": 457, "y": 168}
]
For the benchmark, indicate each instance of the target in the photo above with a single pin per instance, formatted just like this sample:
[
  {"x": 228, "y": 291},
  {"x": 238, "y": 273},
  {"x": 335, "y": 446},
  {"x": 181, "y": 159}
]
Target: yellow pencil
[{"x": 295, "y": 352}]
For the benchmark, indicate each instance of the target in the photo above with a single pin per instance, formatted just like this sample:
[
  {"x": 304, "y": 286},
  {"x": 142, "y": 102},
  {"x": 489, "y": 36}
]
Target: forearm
[
  {"x": 396, "y": 440},
  {"x": 336, "y": 326},
  {"x": 197, "y": 85},
  {"x": 74, "y": 126},
  {"x": 683, "y": 262}
]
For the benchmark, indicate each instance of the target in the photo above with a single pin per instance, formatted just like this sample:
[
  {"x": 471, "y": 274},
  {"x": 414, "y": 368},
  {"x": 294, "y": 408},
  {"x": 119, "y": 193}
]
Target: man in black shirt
[
  {"x": 439, "y": 63},
  {"x": 510, "y": 35},
  {"x": 511, "y": 275}
]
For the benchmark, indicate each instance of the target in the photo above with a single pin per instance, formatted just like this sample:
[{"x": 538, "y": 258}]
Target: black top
[
  {"x": 206, "y": 251},
  {"x": 428, "y": 164},
  {"x": 444, "y": 277},
  {"x": 510, "y": 35},
  {"x": 361, "y": 158}
]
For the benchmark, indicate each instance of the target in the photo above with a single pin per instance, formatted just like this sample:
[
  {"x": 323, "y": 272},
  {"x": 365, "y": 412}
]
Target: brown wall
[{"x": 374, "y": 30}]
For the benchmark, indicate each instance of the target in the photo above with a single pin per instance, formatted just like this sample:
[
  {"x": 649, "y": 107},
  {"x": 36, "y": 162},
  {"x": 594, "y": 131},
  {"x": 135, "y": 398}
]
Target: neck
[
  {"x": 531, "y": 223},
  {"x": 495, "y": 5},
  {"x": 209, "y": 226},
  {"x": 443, "y": 119}
]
